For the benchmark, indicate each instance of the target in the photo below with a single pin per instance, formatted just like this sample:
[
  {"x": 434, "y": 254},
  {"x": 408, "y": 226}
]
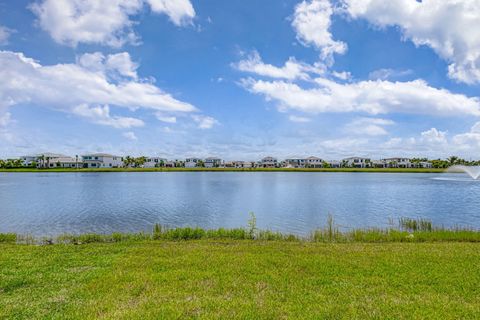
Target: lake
[{"x": 48, "y": 204}]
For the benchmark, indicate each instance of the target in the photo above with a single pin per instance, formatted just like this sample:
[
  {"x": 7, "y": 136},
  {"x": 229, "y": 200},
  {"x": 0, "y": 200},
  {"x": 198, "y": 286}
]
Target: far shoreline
[{"x": 199, "y": 169}]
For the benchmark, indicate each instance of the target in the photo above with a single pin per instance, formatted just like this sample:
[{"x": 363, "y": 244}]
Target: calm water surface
[{"x": 54, "y": 203}]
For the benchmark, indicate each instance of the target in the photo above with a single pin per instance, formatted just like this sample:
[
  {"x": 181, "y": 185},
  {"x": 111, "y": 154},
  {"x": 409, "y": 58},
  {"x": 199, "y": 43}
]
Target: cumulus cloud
[
  {"x": 85, "y": 88},
  {"x": 204, "y": 122},
  {"x": 101, "y": 115},
  {"x": 4, "y": 34},
  {"x": 449, "y": 27},
  {"x": 372, "y": 97},
  {"x": 5, "y": 119},
  {"x": 181, "y": 12},
  {"x": 129, "y": 135},
  {"x": 292, "y": 69},
  {"x": 312, "y": 21},
  {"x": 368, "y": 126},
  {"x": 71, "y": 22},
  {"x": 388, "y": 74}
]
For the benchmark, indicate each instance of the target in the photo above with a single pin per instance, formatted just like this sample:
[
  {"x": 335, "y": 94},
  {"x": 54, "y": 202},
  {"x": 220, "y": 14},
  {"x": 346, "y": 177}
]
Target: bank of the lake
[
  {"x": 240, "y": 279},
  {"x": 201, "y": 169}
]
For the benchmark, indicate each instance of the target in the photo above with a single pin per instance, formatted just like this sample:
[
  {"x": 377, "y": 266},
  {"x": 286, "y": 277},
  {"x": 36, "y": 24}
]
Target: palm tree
[{"x": 452, "y": 160}]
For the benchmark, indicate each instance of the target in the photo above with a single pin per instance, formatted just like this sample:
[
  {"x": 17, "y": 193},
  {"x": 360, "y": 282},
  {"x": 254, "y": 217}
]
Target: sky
[{"x": 240, "y": 79}]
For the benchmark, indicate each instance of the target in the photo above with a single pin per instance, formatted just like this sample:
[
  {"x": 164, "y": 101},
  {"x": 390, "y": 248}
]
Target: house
[
  {"x": 334, "y": 163},
  {"x": 154, "y": 162},
  {"x": 51, "y": 160},
  {"x": 378, "y": 164},
  {"x": 422, "y": 164},
  {"x": 398, "y": 162},
  {"x": 192, "y": 162},
  {"x": 294, "y": 163},
  {"x": 213, "y": 162},
  {"x": 314, "y": 162},
  {"x": 268, "y": 162},
  {"x": 356, "y": 162},
  {"x": 242, "y": 164},
  {"x": 102, "y": 160}
]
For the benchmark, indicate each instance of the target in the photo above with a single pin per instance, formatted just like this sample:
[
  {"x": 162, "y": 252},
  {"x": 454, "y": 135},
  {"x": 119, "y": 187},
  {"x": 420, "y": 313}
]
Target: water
[{"x": 47, "y": 204}]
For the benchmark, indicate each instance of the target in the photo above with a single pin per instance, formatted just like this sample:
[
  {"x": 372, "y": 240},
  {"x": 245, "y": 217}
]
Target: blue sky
[{"x": 240, "y": 79}]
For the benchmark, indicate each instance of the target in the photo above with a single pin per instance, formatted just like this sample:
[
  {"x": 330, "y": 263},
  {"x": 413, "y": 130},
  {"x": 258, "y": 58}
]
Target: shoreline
[{"x": 352, "y": 170}]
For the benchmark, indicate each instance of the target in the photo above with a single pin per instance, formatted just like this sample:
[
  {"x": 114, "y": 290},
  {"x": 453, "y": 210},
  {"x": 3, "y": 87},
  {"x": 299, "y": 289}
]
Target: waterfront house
[
  {"x": 294, "y": 163},
  {"x": 154, "y": 162},
  {"x": 334, "y": 163},
  {"x": 51, "y": 160},
  {"x": 357, "y": 162},
  {"x": 242, "y": 164},
  {"x": 269, "y": 162},
  {"x": 378, "y": 164},
  {"x": 102, "y": 160},
  {"x": 398, "y": 162},
  {"x": 213, "y": 162},
  {"x": 314, "y": 162},
  {"x": 192, "y": 162}
]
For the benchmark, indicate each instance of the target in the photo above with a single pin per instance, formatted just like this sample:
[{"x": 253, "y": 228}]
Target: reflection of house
[
  {"x": 314, "y": 162},
  {"x": 192, "y": 162},
  {"x": 154, "y": 162},
  {"x": 398, "y": 162},
  {"x": 102, "y": 160},
  {"x": 212, "y": 162},
  {"x": 357, "y": 162},
  {"x": 268, "y": 162}
]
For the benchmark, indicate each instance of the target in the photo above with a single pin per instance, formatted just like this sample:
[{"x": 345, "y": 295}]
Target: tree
[{"x": 140, "y": 161}]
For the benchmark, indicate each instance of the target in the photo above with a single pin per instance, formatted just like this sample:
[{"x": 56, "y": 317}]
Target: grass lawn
[{"x": 240, "y": 279}]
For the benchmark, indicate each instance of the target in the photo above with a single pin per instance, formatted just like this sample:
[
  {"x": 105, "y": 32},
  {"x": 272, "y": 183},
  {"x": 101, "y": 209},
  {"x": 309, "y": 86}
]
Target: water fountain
[{"x": 472, "y": 171}]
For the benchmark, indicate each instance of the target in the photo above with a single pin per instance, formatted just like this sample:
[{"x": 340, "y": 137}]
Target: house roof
[{"x": 98, "y": 155}]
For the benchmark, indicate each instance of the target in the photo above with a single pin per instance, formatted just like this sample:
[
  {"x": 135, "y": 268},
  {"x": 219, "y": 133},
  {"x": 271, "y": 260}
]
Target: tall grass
[{"x": 407, "y": 230}]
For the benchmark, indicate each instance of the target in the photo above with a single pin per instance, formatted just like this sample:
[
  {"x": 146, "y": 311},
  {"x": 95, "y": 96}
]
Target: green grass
[
  {"x": 240, "y": 279},
  {"x": 391, "y": 170}
]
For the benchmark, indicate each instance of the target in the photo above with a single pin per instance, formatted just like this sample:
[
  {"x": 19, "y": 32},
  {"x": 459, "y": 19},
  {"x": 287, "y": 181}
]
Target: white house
[
  {"x": 314, "y": 162},
  {"x": 378, "y": 164},
  {"x": 51, "y": 160},
  {"x": 154, "y": 162},
  {"x": 398, "y": 162},
  {"x": 269, "y": 162},
  {"x": 294, "y": 163},
  {"x": 357, "y": 162},
  {"x": 334, "y": 163},
  {"x": 102, "y": 160},
  {"x": 213, "y": 162},
  {"x": 192, "y": 162}
]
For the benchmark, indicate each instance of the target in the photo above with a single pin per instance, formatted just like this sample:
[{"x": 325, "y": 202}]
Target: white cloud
[
  {"x": 368, "y": 126},
  {"x": 181, "y": 12},
  {"x": 292, "y": 69},
  {"x": 344, "y": 75},
  {"x": 64, "y": 87},
  {"x": 434, "y": 136},
  {"x": 449, "y": 27},
  {"x": 372, "y": 97},
  {"x": 388, "y": 74},
  {"x": 298, "y": 119},
  {"x": 71, "y": 22},
  {"x": 204, "y": 122},
  {"x": 4, "y": 34},
  {"x": 101, "y": 115},
  {"x": 312, "y": 21},
  {"x": 119, "y": 64},
  {"x": 130, "y": 136},
  {"x": 165, "y": 118},
  {"x": 5, "y": 119}
]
